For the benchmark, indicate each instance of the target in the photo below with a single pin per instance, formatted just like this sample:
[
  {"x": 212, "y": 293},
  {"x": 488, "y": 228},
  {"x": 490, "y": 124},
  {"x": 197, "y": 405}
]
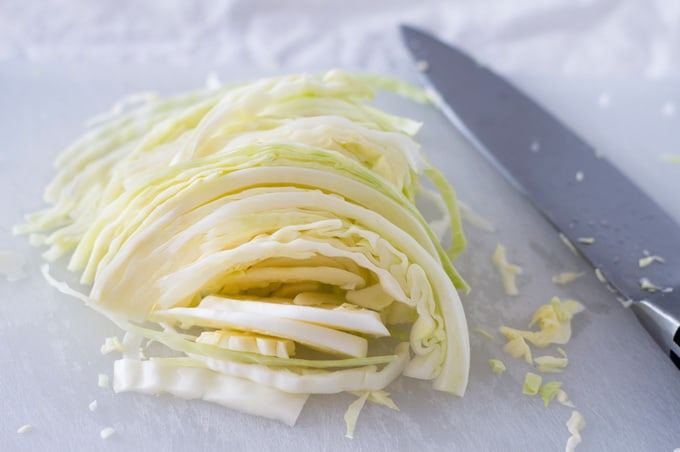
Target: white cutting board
[{"x": 625, "y": 387}]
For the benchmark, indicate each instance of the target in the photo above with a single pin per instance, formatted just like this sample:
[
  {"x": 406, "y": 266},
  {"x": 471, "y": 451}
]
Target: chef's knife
[{"x": 605, "y": 216}]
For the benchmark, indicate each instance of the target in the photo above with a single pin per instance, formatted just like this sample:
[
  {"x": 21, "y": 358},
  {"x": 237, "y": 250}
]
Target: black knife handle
[{"x": 661, "y": 317}]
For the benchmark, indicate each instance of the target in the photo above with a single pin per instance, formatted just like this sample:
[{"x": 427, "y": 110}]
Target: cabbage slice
[
  {"x": 344, "y": 317},
  {"x": 320, "y": 338},
  {"x": 197, "y": 382}
]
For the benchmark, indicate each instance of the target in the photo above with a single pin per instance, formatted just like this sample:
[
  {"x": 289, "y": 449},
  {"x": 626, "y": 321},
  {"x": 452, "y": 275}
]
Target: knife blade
[{"x": 611, "y": 222}]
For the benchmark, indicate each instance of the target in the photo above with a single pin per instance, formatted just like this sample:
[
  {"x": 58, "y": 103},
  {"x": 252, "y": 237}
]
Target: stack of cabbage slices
[{"x": 267, "y": 234}]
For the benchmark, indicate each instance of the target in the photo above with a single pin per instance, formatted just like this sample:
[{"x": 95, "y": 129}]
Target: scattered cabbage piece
[
  {"x": 93, "y": 406},
  {"x": 497, "y": 366},
  {"x": 673, "y": 158},
  {"x": 112, "y": 344},
  {"x": 532, "y": 383},
  {"x": 484, "y": 333},
  {"x": 345, "y": 317},
  {"x": 562, "y": 398},
  {"x": 25, "y": 429},
  {"x": 575, "y": 425},
  {"x": 352, "y": 414},
  {"x": 567, "y": 242},
  {"x": 649, "y": 260},
  {"x": 600, "y": 277},
  {"x": 381, "y": 398},
  {"x": 507, "y": 271},
  {"x": 11, "y": 265},
  {"x": 554, "y": 320},
  {"x": 566, "y": 277},
  {"x": 548, "y": 391},
  {"x": 316, "y": 381},
  {"x": 586, "y": 240},
  {"x": 517, "y": 348},
  {"x": 550, "y": 364},
  {"x": 107, "y": 432},
  {"x": 103, "y": 381},
  {"x": 647, "y": 285},
  {"x": 579, "y": 176},
  {"x": 239, "y": 221}
]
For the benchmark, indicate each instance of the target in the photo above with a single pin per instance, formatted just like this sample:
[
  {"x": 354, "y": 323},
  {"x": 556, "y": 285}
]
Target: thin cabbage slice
[
  {"x": 352, "y": 414},
  {"x": 315, "y": 381},
  {"x": 314, "y": 336},
  {"x": 154, "y": 377},
  {"x": 343, "y": 317}
]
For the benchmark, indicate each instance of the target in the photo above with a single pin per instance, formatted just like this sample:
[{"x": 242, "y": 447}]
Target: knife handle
[{"x": 661, "y": 318}]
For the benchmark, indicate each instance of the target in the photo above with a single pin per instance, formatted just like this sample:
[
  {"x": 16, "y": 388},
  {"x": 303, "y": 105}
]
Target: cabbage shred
[{"x": 268, "y": 234}]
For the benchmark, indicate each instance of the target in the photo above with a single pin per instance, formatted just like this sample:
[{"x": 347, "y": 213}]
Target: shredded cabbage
[
  {"x": 507, "y": 271},
  {"x": 649, "y": 260},
  {"x": 518, "y": 348},
  {"x": 497, "y": 366},
  {"x": 566, "y": 277},
  {"x": 484, "y": 333},
  {"x": 24, "y": 429},
  {"x": 548, "y": 391},
  {"x": 550, "y": 364},
  {"x": 267, "y": 233},
  {"x": 575, "y": 425},
  {"x": 352, "y": 414},
  {"x": 554, "y": 320},
  {"x": 532, "y": 383}
]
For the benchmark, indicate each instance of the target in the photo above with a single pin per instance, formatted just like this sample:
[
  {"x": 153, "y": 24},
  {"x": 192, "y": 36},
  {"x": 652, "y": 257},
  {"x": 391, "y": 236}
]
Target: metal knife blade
[{"x": 578, "y": 191}]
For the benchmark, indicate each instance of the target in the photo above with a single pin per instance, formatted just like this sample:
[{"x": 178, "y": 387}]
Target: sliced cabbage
[
  {"x": 554, "y": 320},
  {"x": 575, "y": 425},
  {"x": 24, "y": 429},
  {"x": 352, "y": 414},
  {"x": 551, "y": 364},
  {"x": 508, "y": 272},
  {"x": 566, "y": 277},
  {"x": 649, "y": 260},
  {"x": 563, "y": 398},
  {"x": 346, "y": 317},
  {"x": 267, "y": 233},
  {"x": 314, "y": 336},
  {"x": 518, "y": 348},
  {"x": 497, "y": 366},
  {"x": 484, "y": 333},
  {"x": 191, "y": 382},
  {"x": 532, "y": 383},
  {"x": 548, "y": 391},
  {"x": 106, "y": 432}
]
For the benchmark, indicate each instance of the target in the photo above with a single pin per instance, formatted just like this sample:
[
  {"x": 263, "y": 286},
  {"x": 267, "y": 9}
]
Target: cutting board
[{"x": 627, "y": 390}]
